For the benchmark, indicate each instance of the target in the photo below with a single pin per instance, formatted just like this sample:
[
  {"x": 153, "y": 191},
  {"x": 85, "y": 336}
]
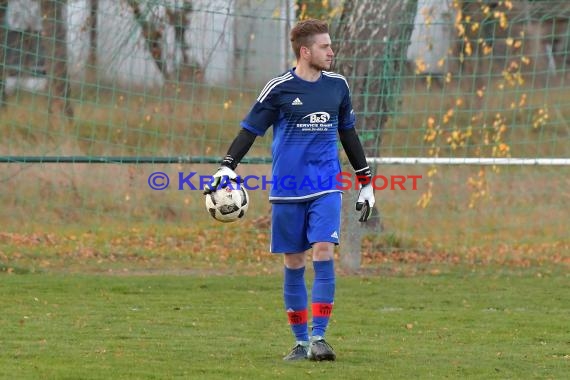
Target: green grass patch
[{"x": 469, "y": 325}]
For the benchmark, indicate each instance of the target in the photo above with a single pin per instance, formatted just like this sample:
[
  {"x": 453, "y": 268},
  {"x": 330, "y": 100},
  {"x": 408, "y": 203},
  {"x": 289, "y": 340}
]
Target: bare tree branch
[
  {"x": 3, "y": 6},
  {"x": 55, "y": 45},
  {"x": 151, "y": 35}
]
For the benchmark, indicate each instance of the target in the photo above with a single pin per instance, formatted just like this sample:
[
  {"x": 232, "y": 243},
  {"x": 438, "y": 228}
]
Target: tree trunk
[
  {"x": 55, "y": 46},
  {"x": 371, "y": 39},
  {"x": 3, "y": 43},
  {"x": 179, "y": 18},
  {"x": 93, "y": 19},
  {"x": 371, "y": 53}
]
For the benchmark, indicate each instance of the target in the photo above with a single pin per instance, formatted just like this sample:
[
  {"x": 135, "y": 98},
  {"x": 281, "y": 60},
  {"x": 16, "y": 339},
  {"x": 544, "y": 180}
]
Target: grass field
[{"x": 485, "y": 324}]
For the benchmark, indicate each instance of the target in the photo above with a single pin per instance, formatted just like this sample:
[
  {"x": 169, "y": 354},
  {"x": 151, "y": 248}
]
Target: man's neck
[{"x": 307, "y": 73}]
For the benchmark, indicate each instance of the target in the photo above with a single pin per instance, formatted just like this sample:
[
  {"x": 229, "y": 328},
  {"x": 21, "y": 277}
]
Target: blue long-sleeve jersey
[{"x": 306, "y": 117}]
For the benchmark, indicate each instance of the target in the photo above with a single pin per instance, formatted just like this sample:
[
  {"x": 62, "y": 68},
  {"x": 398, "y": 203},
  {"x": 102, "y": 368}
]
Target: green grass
[{"x": 462, "y": 325}]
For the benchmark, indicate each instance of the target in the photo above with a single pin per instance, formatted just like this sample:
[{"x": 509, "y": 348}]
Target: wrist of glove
[
  {"x": 220, "y": 179},
  {"x": 366, "y": 199}
]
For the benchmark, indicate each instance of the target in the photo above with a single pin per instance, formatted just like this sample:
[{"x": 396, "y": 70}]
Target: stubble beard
[{"x": 320, "y": 67}]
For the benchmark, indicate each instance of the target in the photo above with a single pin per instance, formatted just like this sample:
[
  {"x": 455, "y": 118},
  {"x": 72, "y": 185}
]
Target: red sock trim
[
  {"x": 297, "y": 317},
  {"x": 322, "y": 309}
]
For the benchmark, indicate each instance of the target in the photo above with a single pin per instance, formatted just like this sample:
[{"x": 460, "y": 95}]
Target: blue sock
[
  {"x": 295, "y": 296},
  {"x": 322, "y": 296}
]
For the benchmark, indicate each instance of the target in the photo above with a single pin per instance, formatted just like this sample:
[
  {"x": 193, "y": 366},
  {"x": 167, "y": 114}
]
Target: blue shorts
[{"x": 295, "y": 227}]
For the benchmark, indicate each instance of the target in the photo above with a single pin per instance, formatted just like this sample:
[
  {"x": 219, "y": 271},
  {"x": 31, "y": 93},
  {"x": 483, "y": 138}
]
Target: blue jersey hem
[{"x": 303, "y": 198}]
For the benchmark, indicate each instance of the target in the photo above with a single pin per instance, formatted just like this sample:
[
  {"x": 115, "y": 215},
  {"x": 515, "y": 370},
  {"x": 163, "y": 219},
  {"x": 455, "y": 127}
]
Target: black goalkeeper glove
[{"x": 366, "y": 200}]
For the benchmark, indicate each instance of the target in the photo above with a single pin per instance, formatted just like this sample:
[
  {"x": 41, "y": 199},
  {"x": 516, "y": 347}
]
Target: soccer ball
[{"x": 228, "y": 204}]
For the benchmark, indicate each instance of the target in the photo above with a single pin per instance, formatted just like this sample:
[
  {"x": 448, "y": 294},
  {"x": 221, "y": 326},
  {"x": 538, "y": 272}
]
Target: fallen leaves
[
  {"x": 503, "y": 255},
  {"x": 243, "y": 248}
]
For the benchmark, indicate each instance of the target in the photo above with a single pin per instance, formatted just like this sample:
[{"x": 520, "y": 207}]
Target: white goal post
[{"x": 470, "y": 161}]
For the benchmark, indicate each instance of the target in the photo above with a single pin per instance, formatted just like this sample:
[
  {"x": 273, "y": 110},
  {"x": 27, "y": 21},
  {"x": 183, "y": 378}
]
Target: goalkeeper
[{"x": 308, "y": 108}]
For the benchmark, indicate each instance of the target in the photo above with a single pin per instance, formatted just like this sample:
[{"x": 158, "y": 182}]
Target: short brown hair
[{"x": 302, "y": 34}]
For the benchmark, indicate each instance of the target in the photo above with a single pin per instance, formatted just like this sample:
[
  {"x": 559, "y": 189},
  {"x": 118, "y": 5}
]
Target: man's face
[{"x": 321, "y": 55}]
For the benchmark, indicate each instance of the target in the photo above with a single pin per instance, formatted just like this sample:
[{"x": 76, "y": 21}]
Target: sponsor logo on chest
[
  {"x": 317, "y": 117},
  {"x": 315, "y": 122}
]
